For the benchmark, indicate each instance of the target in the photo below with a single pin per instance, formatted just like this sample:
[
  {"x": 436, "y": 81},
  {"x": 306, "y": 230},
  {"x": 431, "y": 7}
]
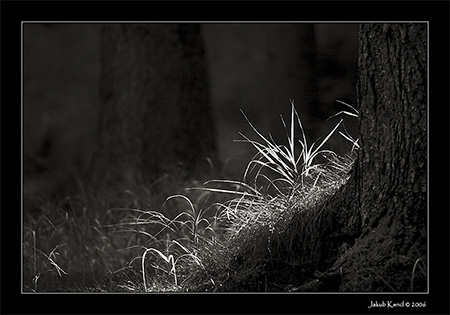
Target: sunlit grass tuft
[{"x": 293, "y": 163}]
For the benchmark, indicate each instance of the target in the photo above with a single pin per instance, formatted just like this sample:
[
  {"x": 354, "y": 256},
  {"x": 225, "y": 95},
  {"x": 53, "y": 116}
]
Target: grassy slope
[
  {"x": 249, "y": 243},
  {"x": 265, "y": 235}
]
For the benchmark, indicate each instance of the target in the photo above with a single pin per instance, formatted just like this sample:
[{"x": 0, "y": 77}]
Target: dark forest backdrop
[
  {"x": 253, "y": 67},
  {"x": 61, "y": 118},
  {"x": 153, "y": 100}
]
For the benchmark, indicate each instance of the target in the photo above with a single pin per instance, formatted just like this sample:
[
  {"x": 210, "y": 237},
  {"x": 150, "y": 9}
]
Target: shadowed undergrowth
[{"x": 263, "y": 233}]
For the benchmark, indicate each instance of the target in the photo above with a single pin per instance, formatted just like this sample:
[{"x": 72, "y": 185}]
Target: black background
[{"x": 13, "y": 12}]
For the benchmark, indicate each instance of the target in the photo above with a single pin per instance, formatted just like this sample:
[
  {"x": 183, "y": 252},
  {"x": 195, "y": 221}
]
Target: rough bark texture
[
  {"x": 154, "y": 112},
  {"x": 382, "y": 213}
]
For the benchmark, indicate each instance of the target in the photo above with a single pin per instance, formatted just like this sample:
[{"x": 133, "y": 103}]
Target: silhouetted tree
[
  {"x": 381, "y": 214},
  {"x": 155, "y": 114}
]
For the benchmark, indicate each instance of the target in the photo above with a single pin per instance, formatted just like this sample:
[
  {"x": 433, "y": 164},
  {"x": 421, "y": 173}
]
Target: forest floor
[
  {"x": 263, "y": 233},
  {"x": 222, "y": 236}
]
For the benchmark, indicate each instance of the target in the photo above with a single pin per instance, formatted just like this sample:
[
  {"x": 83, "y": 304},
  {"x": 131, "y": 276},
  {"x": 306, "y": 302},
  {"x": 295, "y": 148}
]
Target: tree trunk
[
  {"x": 155, "y": 113},
  {"x": 381, "y": 221}
]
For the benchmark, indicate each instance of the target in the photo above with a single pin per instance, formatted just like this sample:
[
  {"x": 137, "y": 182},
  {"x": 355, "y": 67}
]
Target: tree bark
[
  {"x": 155, "y": 113},
  {"x": 382, "y": 213}
]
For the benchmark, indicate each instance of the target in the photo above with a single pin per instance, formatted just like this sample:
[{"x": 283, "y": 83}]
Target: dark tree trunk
[
  {"x": 381, "y": 221},
  {"x": 155, "y": 113}
]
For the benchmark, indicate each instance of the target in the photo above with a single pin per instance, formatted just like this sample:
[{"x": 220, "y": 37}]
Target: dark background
[
  {"x": 12, "y": 13},
  {"x": 253, "y": 67}
]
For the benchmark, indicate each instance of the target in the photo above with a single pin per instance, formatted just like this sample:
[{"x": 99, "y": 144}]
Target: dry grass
[{"x": 260, "y": 234}]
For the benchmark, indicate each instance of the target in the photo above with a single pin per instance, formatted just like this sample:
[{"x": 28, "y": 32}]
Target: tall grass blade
[
  {"x": 238, "y": 183},
  {"x": 355, "y": 114},
  {"x": 316, "y": 151}
]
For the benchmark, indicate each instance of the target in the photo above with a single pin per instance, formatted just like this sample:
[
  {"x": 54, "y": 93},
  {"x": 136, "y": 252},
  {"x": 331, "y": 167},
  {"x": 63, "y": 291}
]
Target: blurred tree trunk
[
  {"x": 380, "y": 216},
  {"x": 155, "y": 114},
  {"x": 290, "y": 73}
]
